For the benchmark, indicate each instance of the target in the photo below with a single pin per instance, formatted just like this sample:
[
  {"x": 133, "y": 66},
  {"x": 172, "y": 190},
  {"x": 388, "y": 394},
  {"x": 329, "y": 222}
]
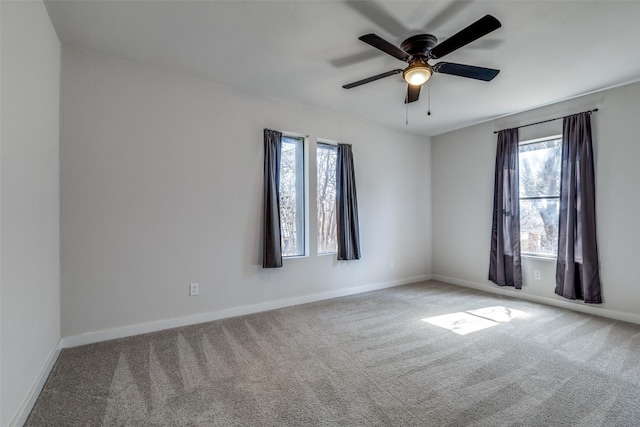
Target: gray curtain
[
  {"x": 346, "y": 205},
  {"x": 271, "y": 240},
  {"x": 505, "y": 266},
  {"x": 577, "y": 270}
]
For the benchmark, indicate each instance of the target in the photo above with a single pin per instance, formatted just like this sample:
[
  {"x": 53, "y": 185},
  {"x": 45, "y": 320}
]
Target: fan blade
[
  {"x": 413, "y": 93},
  {"x": 372, "y": 79},
  {"x": 481, "y": 27},
  {"x": 380, "y": 43},
  {"x": 470, "y": 71}
]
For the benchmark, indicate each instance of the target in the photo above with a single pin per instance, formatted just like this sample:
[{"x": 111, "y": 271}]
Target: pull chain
[
  {"x": 406, "y": 113},
  {"x": 429, "y": 98}
]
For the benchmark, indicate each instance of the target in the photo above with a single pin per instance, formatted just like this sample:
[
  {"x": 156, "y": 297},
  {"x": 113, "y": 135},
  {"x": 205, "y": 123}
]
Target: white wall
[
  {"x": 463, "y": 171},
  {"x": 29, "y": 199},
  {"x": 161, "y": 186}
]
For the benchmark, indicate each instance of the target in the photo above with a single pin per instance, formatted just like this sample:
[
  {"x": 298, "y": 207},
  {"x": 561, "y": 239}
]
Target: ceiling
[{"x": 304, "y": 51}]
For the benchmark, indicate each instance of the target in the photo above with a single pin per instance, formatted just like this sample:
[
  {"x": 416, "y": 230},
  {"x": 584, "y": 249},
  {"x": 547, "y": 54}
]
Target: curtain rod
[{"x": 550, "y": 120}]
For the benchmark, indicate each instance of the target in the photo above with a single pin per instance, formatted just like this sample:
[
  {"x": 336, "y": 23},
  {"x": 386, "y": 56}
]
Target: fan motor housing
[{"x": 419, "y": 45}]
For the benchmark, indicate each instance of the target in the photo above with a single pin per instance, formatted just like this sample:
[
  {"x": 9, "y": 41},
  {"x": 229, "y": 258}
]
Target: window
[
  {"x": 539, "y": 163},
  {"x": 326, "y": 157},
  {"x": 292, "y": 196}
]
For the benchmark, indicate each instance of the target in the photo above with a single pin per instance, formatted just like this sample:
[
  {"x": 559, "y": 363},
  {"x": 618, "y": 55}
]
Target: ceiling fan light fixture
[{"x": 417, "y": 73}]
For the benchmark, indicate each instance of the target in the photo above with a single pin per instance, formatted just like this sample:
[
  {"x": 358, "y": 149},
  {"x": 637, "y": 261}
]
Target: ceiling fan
[{"x": 419, "y": 49}]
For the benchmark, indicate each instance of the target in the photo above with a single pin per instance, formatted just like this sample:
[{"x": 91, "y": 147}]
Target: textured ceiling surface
[{"x": 304, "y": 51}]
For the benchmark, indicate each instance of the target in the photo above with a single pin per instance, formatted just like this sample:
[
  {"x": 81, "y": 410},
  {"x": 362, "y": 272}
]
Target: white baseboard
[
  {"x": 143, "y": 328},
  {"x": 562, "y": 303},
  {"x": 36, "y": 388}
]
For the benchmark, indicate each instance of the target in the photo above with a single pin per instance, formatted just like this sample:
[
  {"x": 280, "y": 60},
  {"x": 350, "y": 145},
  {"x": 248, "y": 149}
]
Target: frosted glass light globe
[{"x": 417, "y": 73}]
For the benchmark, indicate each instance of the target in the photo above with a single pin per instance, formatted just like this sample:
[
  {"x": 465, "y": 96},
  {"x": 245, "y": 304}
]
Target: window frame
[
  {"x": 301, "y": 164},
  {"x": 333, "y": 146},
  {"x": 537, "y": 255}
]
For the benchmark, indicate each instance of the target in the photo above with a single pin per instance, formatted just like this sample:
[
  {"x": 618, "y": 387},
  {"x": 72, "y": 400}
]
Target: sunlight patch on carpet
[{"x": 466, "y": 322}]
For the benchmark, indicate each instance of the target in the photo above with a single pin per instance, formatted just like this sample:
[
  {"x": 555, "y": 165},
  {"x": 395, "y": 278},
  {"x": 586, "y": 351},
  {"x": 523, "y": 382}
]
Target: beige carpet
[{"x": 363, "y": 360}]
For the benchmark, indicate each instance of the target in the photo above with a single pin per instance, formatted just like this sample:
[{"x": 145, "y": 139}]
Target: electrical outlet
[
  {"x": 391, "y": 264},
  {"x": 537, "y": 275},
  {"x": 193, "y": 289}
]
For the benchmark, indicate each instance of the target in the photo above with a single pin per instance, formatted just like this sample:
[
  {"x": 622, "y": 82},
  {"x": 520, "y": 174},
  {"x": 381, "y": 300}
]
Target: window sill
[
  {"x": 327, "y": 254},
  {"x": 548, "y": 258},
  {"x": 294, "y": 256}
]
